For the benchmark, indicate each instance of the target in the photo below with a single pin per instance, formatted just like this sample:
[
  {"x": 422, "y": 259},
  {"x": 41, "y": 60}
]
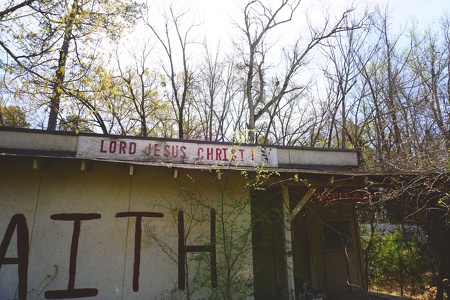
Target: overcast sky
[
  {"x": 216, "y": 12},
  {"x": 215, "y": 15},
  {"x": 425, "y": 11}
]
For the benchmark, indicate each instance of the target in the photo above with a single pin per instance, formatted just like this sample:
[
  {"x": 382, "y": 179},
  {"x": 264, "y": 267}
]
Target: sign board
[
  {"x": 175, "y": 152},
  {"x": 343, "y": 195}
]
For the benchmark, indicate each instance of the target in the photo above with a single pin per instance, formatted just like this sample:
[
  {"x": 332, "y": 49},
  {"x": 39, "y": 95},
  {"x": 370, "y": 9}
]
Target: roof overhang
[{"x": 189, "y": 154}]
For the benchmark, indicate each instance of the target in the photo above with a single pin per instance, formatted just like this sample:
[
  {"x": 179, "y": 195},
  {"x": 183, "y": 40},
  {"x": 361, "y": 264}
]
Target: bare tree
[
  {"x": 140, "y": 89},
  {"x": 175, "y": 41},
  {"x": 342, "y": 72},
  {"x": 211, "y": 74},
  {"x": 260, "y": 20},
  {"x": 216, "y": 94},
  {"x": 431, "y": 64}
]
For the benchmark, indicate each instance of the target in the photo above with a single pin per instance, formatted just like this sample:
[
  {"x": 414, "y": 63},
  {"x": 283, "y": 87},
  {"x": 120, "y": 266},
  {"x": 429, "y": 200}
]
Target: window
[{"x": 338, "y": 234}]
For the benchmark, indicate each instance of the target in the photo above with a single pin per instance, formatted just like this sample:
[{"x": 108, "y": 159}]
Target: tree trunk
[
  {"x": 55, "y": 98},
  {"x": 444, "y": 268}
]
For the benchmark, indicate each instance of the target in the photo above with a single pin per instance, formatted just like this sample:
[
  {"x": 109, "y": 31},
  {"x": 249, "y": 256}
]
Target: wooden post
[
  {"x": 288, "y": 216},
  {"x": 288, "y": 243}
]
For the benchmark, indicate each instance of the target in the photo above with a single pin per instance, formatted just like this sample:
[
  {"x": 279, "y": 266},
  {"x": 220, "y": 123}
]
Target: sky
[
  {"x": 217, "y": 12},
  {"x": 425, "y": 11},
  {"x": 215, "y": 15}
]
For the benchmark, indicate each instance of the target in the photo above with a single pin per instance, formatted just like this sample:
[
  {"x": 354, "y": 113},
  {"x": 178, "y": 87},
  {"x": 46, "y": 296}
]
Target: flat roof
[{"x": 176, "y": 152}]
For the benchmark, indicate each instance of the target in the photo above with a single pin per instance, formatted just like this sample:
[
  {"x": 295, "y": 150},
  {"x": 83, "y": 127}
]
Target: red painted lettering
[
  {"x": 183, "y": 154},
  {"x": 17, "y": 221},
  {"x": 156, "y": 148},
  {"x": 224, "y": 151},
  {"x": 175, "y": 151},
  {"x": 101, "y": 147},
  {"x": 233, "y": 154},
  {"x": 209, "y": 153},
  {"x": 167, "y": 150},
  {"x": 218, "y": 154},
  {"x": 132, "y": 149},
  {"x": 112, "y": 147},
  {"x": 122, "y": 147},
  {"x": 242, "y": 154},
  {"x": 199, "y": 152},
  {"x": 148, "y": 150}
]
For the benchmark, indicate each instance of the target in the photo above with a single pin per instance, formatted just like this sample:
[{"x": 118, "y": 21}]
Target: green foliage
[
  {"x": 234, "y": 245},
  {"x": 13, "y": 116},
  {"x": 74, "y": 123},
  {"x": 394, "y": 260},
  {"x": 228, "y": 195},
  {"x": 52, "y": 46}
]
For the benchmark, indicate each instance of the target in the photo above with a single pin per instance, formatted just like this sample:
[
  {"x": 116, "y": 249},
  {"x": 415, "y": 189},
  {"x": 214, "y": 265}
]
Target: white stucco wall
[{"x": 105, "y": 258}]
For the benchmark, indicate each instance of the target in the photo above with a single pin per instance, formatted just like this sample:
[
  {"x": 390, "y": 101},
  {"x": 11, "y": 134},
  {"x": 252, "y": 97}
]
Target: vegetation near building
[
  {"x": 347, "y": 81},
  {"x": 13, "y": 116}
]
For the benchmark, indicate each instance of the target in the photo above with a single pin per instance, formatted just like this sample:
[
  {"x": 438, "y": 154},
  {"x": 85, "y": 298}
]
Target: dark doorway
[{"x": 269, "y": 263}]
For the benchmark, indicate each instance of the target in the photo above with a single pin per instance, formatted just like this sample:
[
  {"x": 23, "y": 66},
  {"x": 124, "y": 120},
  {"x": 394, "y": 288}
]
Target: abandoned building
[{"x": 119, "y": 217}]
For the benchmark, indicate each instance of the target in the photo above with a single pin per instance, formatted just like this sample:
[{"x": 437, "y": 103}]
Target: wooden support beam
[
  {"x": 288, "y": 242},
  {"x": 302, "y": 202},
  {"x": 288, "y": 216}
]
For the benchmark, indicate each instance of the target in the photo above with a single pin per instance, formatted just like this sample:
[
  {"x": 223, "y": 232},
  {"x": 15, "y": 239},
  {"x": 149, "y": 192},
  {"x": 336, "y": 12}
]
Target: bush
[{"x": 393, "y": 261}]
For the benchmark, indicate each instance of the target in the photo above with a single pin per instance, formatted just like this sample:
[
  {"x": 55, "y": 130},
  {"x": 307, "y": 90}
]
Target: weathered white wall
[{"x": 106, "y": 245}]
